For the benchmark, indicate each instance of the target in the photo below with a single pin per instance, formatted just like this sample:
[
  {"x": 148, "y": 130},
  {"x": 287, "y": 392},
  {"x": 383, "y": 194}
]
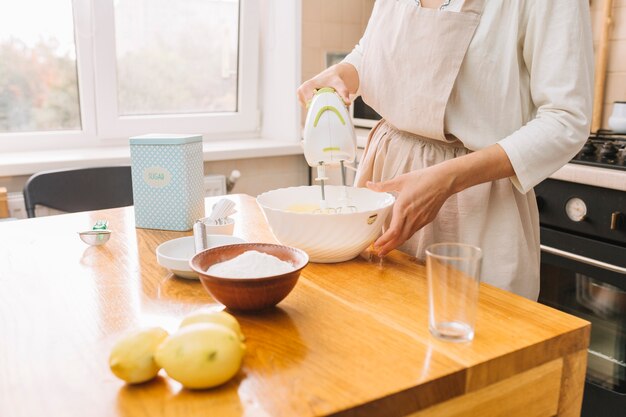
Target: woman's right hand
[{"x": 342, "y": 77}]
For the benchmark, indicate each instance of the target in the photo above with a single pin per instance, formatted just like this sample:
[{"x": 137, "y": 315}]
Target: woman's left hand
[{"x": 420, "y": 195}]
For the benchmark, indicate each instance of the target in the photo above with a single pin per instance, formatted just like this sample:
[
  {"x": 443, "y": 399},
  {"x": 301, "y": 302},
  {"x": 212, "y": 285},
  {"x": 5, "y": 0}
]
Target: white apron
[{"x": 409, "y": 67}]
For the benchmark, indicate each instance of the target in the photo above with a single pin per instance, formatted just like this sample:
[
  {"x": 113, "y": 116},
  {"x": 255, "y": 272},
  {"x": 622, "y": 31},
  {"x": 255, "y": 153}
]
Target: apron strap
[{"x": 473, "y": 6}]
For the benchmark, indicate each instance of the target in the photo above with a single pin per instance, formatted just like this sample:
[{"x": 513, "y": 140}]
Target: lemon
[
  {"x": 217, "y": 317},
  {"x": 132, "y": 358},
  {"x": 201, "y": 355}
]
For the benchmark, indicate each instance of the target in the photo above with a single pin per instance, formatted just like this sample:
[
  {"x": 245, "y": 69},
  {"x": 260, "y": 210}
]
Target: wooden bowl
[{"x": 245, "y": 293}]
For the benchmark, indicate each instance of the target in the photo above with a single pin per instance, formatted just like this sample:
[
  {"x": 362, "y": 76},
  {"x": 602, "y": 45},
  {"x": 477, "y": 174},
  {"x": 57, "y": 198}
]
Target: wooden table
[{"x": 351, "y": 339}]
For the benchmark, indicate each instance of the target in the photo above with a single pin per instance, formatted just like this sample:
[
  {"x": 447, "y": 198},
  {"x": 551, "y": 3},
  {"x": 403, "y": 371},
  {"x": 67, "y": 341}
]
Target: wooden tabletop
[{"x": 351, "y": 339}]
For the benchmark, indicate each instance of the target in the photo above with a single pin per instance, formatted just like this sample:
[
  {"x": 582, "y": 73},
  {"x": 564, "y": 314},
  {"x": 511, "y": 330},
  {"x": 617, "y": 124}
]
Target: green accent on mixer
[
  {"x": 327, "y": 108},
  {"x": 320, "y": 91},
  {"x": 330, "y": 149}
]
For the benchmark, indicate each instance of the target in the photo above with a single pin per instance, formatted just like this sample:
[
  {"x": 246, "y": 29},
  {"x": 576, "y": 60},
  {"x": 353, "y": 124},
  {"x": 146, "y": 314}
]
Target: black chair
[{"x": 80, "y": 189}]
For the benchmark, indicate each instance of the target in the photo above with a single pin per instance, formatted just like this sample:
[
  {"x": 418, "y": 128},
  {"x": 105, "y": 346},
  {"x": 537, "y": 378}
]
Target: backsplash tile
[
  {"x": 263, "y": 174},
  {"x": 330, "y": 26}
]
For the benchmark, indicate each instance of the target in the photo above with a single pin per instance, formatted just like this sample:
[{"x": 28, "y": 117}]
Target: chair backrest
[{"x": 80, "y": 189}]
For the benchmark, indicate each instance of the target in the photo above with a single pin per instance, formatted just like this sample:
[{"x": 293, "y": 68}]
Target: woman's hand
[
  {"x": 420, "y": 195},
  {"x": 342, "y": 77}
]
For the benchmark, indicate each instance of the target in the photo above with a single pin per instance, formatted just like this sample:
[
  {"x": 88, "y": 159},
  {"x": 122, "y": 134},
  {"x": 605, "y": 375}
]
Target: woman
[{"x": 481, "y": 100}]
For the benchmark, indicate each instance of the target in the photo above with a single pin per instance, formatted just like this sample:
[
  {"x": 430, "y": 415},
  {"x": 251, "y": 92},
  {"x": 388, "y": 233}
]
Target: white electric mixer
[{"x": 329, "y": 139}]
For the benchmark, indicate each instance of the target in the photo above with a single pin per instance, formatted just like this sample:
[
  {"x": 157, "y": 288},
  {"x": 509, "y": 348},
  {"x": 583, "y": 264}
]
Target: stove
[
  {"x": 605, "y": 149},
  {"x": 582, "y": 212}
]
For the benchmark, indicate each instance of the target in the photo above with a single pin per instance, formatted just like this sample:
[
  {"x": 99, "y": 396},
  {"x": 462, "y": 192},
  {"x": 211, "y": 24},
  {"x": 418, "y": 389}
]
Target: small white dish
[
  {"x": 95, "y": 237},
  {"x": 220, "y": 229},
  {"x": 176, "y": 253}
]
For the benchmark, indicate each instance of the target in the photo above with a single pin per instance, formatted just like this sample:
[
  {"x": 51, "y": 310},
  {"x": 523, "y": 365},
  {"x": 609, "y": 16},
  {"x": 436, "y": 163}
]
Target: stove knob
[
  {"x": 608, "y": 150},
  {"x": 589, "y": 149}
]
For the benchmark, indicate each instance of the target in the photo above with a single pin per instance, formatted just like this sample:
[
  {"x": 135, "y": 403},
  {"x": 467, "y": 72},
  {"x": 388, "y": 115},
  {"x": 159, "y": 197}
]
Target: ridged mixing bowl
[{"x": 326, "y": 238}]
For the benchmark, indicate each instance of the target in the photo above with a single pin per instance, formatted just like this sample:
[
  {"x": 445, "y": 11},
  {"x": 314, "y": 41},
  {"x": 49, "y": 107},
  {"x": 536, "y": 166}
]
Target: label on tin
[{"x": 157, "y": 177}]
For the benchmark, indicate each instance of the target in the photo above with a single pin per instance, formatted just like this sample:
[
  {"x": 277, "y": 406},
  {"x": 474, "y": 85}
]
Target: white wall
[{"x": 279, "y": 77}]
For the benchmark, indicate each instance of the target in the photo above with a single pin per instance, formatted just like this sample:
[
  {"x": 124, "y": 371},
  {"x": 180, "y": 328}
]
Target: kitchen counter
[
  {"x": 351, "y": 339},
  {"x": 599, "y": 177}
]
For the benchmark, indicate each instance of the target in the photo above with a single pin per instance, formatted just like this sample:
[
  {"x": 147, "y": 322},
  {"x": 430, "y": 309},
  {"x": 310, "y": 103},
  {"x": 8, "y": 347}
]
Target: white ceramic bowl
[
  {"x": 326, "y": 238},
  {"x": 175, "y": 254}
]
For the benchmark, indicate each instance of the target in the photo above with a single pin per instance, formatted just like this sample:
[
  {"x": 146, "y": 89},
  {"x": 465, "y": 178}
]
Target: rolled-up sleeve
[
  {"x": 356, "y": 55},
  {"x": 558, "y": 53}
]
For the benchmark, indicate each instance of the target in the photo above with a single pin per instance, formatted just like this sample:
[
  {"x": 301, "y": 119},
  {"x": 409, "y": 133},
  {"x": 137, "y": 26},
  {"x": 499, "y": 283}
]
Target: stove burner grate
[{"x": 605, "y": 149}]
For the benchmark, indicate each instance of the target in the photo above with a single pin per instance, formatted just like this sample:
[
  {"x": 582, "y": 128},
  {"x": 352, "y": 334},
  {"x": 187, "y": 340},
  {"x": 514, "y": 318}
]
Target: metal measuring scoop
[{"x": 219, "y": 216}]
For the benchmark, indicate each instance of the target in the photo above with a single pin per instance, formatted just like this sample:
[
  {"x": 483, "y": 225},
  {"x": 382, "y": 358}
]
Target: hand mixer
[{"x": 329, "y": 139}]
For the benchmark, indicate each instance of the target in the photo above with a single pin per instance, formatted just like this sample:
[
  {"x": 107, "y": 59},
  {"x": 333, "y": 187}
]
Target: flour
[{"x": 250, "y": 264}]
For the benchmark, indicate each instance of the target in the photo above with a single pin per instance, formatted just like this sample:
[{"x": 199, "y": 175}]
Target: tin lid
[{"x": 164, "y": 139}]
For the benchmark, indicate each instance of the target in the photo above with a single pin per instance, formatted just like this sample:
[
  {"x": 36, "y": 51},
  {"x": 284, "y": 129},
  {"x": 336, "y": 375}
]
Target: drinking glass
[{"x": 453, "y": 271}]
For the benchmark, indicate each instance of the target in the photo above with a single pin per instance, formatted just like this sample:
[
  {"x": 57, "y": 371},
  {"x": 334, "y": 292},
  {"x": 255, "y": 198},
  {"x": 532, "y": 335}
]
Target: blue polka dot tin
[{"x": 167, "y": 172}]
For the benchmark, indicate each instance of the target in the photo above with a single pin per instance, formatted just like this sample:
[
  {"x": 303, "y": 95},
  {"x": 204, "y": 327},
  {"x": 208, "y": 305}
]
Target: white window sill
[{"x": 27, "y": 163}]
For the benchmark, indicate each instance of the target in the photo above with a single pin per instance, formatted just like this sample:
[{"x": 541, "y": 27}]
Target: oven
[{"x": 583, "y": 273}]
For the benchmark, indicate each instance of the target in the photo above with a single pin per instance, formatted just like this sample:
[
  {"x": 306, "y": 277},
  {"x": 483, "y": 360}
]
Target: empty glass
[{"x": 453, "y": 280}]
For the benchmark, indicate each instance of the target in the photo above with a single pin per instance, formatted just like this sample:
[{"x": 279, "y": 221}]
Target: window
[
  {"x": 38, "y": 78},
  {"x": 87, "y": 72},
  {"x": 184, "y": 66}
]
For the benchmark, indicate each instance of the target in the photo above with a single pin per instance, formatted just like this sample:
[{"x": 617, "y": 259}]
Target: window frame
[{"x": 96, "y": 66}]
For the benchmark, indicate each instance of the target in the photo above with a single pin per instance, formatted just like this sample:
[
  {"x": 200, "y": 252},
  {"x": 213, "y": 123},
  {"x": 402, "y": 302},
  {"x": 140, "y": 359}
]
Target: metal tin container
[{"x": 167, "y": 173}]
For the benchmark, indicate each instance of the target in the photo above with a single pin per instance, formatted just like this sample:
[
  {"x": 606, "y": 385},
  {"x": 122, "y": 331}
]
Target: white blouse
[{"x": 526, "y": 83}]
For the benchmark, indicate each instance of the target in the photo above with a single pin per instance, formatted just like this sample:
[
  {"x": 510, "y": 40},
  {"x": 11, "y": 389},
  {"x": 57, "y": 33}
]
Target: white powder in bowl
[{"x": 250, "y": 264}]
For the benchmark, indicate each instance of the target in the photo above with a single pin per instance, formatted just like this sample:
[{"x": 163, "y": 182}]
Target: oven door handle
[{"x": 583, "y": 259}]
